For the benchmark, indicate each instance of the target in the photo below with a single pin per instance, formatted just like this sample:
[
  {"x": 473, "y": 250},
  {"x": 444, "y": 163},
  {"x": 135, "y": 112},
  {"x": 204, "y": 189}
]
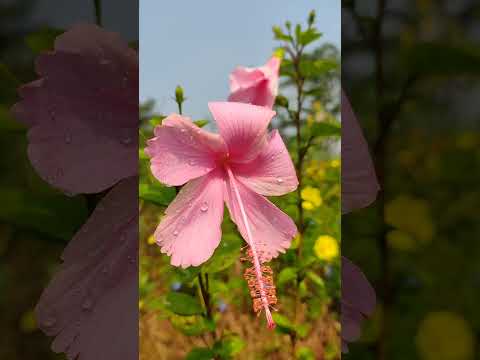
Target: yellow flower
[
  {"x": 311, "y": 198},
  {"x": 411, "y": 215},
  {"x": 27, "y": 322},
  {"x": 326, "y": 248},
  {"x": 151, "y": 240},
  {"x": 445, "y": 336},
  {"x": 335, "y": 163}
]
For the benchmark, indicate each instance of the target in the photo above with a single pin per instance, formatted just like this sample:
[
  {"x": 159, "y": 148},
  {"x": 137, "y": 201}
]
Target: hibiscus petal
[
  {"x": 190, "y": 230},
  {"x": 272, "y": 172},
  {"x": 359, "y": 182},
  {"x": 243, "y": 127},
  {"x": 272, "y": 230},
  {"x": 82, "y": 113},
  {"x": 89, "y": 300},
  {"x": 181, "y": 151},
  {"x": 356, "y": 290},
  {"x": 243, "y": 77}
]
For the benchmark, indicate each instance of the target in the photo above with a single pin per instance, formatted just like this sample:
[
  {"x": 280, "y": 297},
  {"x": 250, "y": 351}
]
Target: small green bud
[
  {"x": 288, "y": 25},
  {"x": 311, "y": 17},
  {"x": 281, "y": 101},
  {"x": 179, "y": 95}
]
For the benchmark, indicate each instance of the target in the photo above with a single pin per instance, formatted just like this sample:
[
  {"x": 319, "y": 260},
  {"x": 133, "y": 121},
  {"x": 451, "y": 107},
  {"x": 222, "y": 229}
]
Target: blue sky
[{"x": 197, "y": 43}]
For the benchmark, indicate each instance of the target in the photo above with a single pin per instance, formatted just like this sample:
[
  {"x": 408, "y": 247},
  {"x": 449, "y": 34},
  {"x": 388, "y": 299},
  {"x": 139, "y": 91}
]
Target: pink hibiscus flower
[
  {"x": 239, "y": 166},
  {"x": 82, "y": 113},
  {"x": 257, "y": 86}
]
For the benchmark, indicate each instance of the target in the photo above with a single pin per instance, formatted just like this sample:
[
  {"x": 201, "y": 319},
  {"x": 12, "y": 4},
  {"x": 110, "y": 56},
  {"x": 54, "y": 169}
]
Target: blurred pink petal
[
  {"x": 257, "y": 86},
  {"x": 181, "y": 151},
  {"x": 190, "y": 230},
  {"x": 358, "y": 301},
  {"x": 272, "y": 172},
  {"x": 87, "y": 306},
  {"x": 359, "y": 182},
  {"x": 243, "y": 128},
  {"x": 272, "y": 229},
  {"x": 82, "y": 113}
]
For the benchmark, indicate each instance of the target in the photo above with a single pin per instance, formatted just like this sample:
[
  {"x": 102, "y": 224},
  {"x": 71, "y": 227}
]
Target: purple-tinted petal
[
  {"x": 359, "y": 182},
  {"x": 82, "y": 113},
  {"x": 89, "y": 302}
]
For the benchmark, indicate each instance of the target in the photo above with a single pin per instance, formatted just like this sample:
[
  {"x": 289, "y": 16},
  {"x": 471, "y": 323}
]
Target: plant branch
[{"x": 98, "y": 12}]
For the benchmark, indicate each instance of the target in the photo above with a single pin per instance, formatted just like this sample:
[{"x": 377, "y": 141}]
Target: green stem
[{"x": 98, "y": 12}]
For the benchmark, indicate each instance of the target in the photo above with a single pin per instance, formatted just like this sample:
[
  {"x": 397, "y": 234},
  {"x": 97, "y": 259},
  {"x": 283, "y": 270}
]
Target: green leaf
[
  {"x": 317, "y": 280},
  {"x": 200, "y": 354},
  {"x": 183, "y": 304},
  {"x": 326, "y": 129},
  {"x": 42, "y": 40},
  {"x": 7, "y": 122},
  {"x": 8, "y": 89},
  {"x": 280, "y": 35},
  {"x": 303, "y": 330},
  {"x": 201, "y": 123},
  {"x": 156, "y": 120},
  {"x": 56, "y": 215},
  {"x": 309, "y": 36},
  {"x": 286, "y": 275},
  {"x": 305, "y": 353},
  {"x": 284, "y": 325},
  {"x": 225, "y": 255},
  {"x": 157, "y": 193},
  {"x": 192, "y": 325},
  {"x": 228, "y": 347},
  {"x": 316, "y": 68},
  {"x": 442, "y": 59}
]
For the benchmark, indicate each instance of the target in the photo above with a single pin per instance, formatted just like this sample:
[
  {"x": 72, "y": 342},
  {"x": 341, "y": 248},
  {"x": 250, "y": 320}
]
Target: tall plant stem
[{"x": 98, "y": 12}]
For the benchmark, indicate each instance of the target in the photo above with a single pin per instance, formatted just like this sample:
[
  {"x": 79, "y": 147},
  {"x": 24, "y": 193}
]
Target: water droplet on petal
[
  {"x": 183, "y": 130},
  {"x": 126, "y": 141},
  {"x": 204, "y": 207},
  {"x": 49, "y": 322},
  {"x": 279, "y": 180},
  {"x": 191, "y": 162},
  {"x": 175, "y": 233},
  {"x": 87, "y": 304}
]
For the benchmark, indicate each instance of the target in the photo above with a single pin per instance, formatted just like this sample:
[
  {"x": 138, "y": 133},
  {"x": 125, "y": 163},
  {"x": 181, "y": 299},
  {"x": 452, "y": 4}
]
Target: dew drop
[
  {"x": 49, "y": 322},
  {"x": 126, "y": 141},
  {"x": 204, "y": 207},
  {"x": 279, "y": 180},
  {"x": 87, "y": 304},
  {"x": 183, "y": 130},
  {"x": 175, "y": 233}
]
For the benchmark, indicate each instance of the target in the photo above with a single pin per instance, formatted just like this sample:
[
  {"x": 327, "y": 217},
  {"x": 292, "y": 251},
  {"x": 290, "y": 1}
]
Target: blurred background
[
  {"x": 411, "y": 71},
  {"x": 36, "y": 221}
]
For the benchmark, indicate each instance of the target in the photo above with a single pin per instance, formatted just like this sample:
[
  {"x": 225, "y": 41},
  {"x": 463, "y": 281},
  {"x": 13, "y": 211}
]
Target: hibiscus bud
[
  {"x": 179, "y": 95},
  {"x": 311, "y": 17},
  {"x": 281, "y": 101}
]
